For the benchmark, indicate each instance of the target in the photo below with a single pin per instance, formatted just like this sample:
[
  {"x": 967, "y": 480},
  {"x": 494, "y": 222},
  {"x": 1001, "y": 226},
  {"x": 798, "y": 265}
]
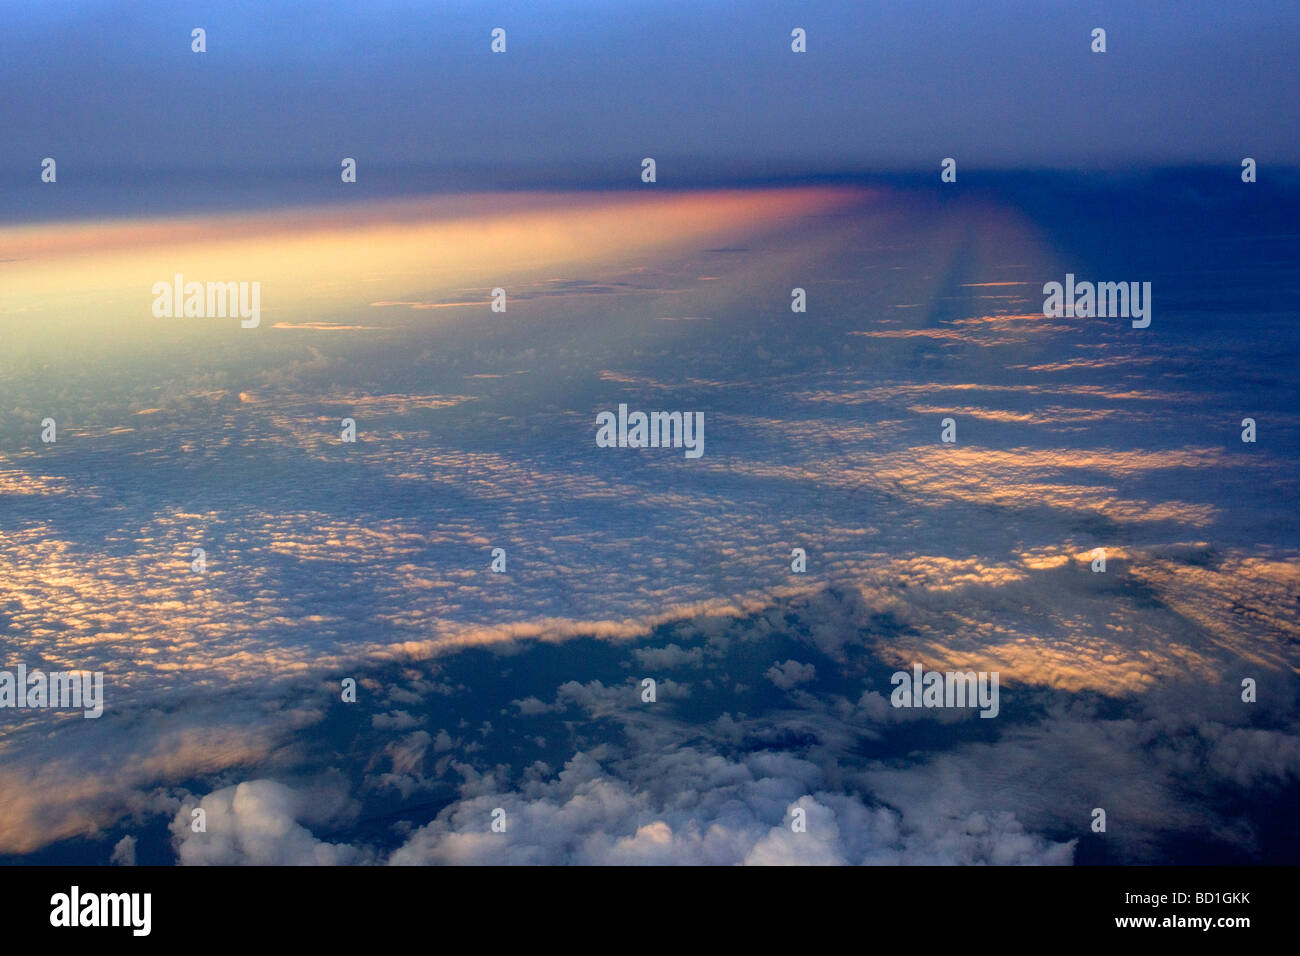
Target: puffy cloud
[
  {"x": 257, "y": 823},
  {"x": 694, "y": 806},
  {"x": 396, "y": 720},
  {"x": 124, "y": 852},
  {"x": 790, "y": 674},
  {"x": 668, "y": 658},
  {"x": 530, "y": 706}
]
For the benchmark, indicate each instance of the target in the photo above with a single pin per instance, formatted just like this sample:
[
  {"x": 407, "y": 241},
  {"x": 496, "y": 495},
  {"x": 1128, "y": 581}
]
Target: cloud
[
  {"x": 710, "y": 811},
  {"x": 84, "y": 776},
  {"x": 790, "y": 674},
  {"x": 531, "y": 705},
  {"x": 372, "y": 560},
  {"x": 670, "y": 657},
  {"x": 257, "y": 823},
  {"x": 124, "y": 852}
]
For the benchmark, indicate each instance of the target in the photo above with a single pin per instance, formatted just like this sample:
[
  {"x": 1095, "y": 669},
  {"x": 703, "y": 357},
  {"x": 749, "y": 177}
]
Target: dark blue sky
[{"x": 104, "y": 85}]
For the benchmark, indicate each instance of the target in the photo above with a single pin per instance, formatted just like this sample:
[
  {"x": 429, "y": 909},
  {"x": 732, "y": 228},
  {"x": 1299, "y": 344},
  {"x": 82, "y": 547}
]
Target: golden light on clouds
[{"x": 343, "y": 258}]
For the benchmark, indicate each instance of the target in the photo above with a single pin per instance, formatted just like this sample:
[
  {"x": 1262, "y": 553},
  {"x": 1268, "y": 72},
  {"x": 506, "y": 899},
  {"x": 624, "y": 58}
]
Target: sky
[
  {"x": 329, "y": 561},
  {"x": 111, "y": 88}
]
